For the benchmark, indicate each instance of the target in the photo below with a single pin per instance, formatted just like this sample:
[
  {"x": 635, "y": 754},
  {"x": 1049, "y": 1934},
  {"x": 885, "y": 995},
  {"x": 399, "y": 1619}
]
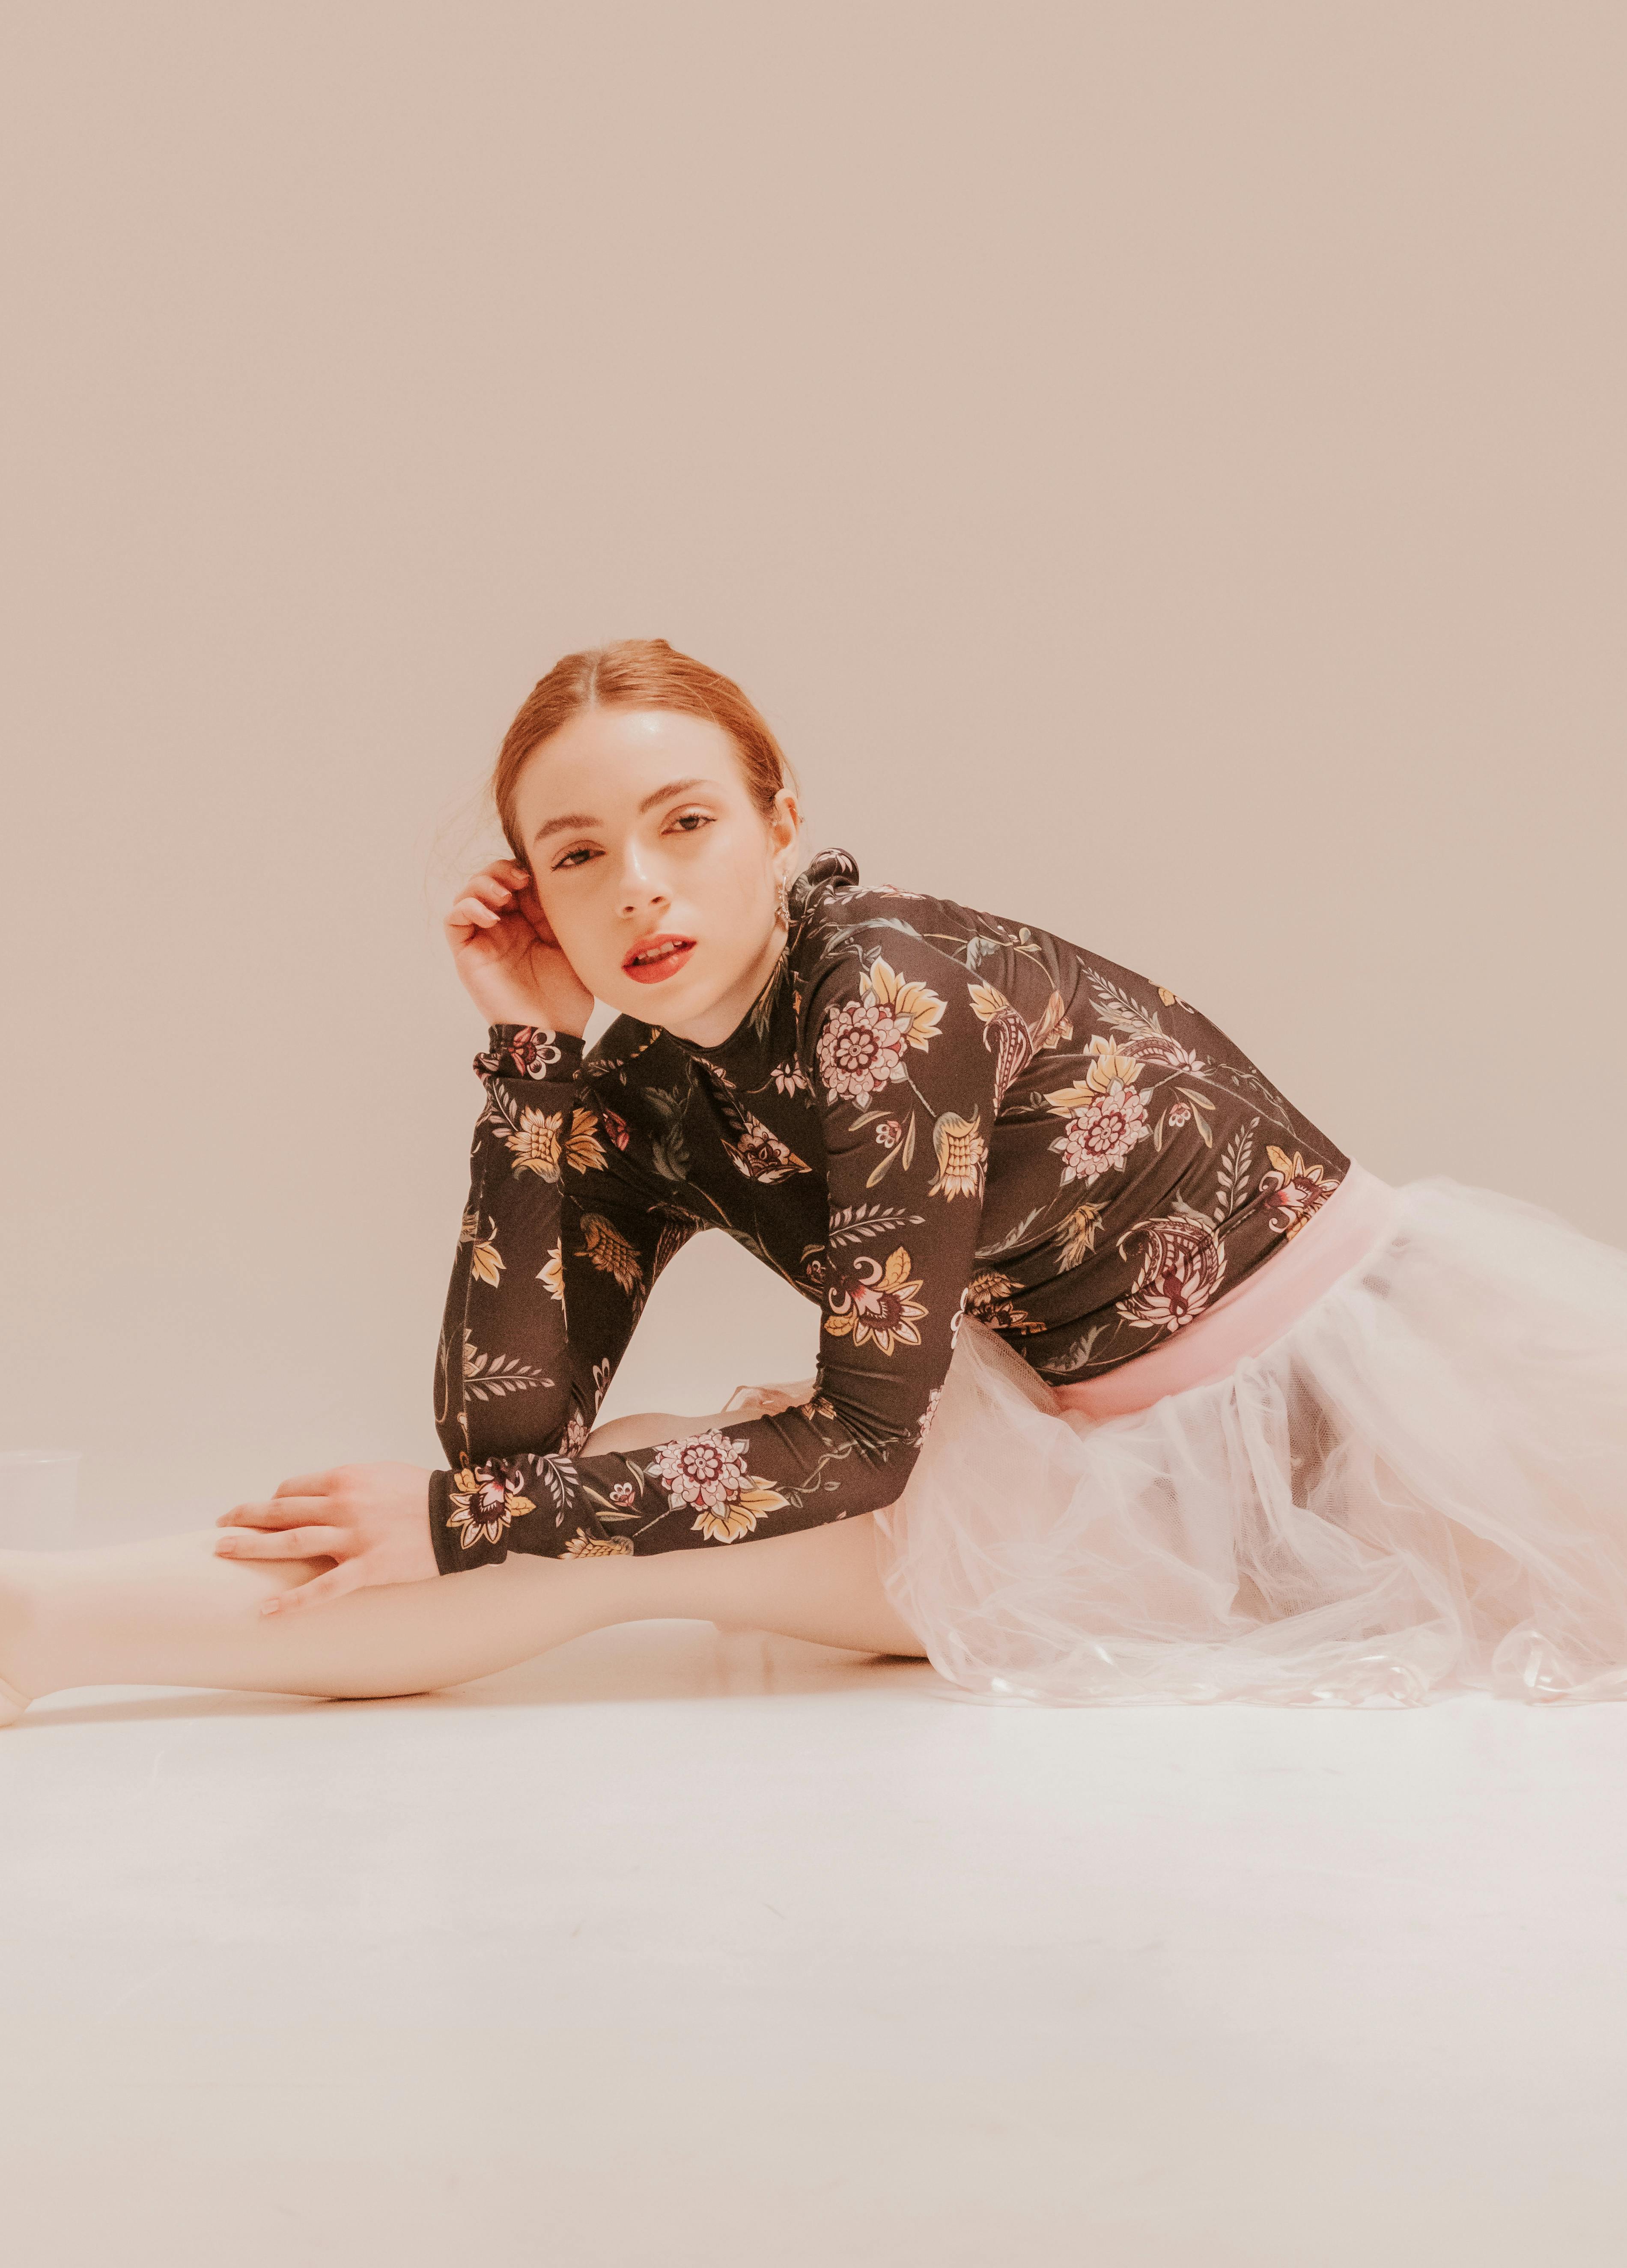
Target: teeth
[{"x": 659, "y": 952}]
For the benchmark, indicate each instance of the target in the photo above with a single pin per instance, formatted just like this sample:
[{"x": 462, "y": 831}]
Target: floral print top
[{"x": 928, "y": 1112}]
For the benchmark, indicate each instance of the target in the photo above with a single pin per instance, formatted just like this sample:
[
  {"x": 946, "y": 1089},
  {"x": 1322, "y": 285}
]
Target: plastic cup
[{"x": 38, "y": 1498}]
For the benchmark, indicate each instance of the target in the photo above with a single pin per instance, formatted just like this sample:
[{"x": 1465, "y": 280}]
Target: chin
[{"x": 677, "y": 1000}]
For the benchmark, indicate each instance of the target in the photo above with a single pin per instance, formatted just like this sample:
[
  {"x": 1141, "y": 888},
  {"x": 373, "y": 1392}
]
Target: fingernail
[
  {"x": 269, "y": 1606},
  {"x": 226, "y": 1546}
]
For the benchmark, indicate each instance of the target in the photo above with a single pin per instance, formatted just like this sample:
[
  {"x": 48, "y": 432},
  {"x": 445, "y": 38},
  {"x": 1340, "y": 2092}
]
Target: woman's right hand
[{"x": 506, "y": 955}]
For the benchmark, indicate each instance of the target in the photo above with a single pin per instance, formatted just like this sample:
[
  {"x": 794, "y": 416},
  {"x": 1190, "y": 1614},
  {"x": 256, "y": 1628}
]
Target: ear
[{"x": 784, "y": 821}]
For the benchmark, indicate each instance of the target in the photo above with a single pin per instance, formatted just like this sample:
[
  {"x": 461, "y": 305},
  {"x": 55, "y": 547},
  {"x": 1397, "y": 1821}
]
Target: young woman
[{"x": 1130, "y": 1385}]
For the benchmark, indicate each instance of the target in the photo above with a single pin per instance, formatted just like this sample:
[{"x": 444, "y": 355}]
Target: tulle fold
[{"x": 1419, "y": 1487}]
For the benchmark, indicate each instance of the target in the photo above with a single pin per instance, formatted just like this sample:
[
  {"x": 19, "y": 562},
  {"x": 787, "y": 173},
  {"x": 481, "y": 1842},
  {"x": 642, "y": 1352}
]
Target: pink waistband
[{"x": 1335, "y": 1240}]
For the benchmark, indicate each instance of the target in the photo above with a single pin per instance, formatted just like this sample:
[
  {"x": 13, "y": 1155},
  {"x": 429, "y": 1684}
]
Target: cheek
[
  {"x": 740, "y": 875},
  {"x": 580, "y": 930}
]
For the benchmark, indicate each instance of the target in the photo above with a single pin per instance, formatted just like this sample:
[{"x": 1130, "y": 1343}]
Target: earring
[{"x": 782, "y": 901}]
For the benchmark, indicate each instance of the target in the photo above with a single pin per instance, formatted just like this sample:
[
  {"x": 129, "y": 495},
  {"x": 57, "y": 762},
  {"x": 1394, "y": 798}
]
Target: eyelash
[{"x": 571, "y": 859}]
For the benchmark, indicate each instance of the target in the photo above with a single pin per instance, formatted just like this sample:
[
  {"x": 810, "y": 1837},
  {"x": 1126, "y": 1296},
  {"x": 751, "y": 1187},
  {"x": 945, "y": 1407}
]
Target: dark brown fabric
[{"x": 929, "y": 1110}]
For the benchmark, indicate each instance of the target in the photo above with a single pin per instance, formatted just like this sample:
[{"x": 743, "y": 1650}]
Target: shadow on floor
[{"x": 656, "y": 1660}]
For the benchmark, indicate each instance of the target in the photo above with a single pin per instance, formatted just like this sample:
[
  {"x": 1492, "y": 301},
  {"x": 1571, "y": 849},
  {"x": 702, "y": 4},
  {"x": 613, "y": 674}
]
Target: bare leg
[{"x": 170, "y": 1612}]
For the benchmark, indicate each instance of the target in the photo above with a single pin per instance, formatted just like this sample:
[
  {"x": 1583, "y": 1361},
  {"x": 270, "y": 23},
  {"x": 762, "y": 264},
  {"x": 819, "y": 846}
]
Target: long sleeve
[
  {"x": 904, "y": 1075},
  {"x": 517, "y": 1389}
]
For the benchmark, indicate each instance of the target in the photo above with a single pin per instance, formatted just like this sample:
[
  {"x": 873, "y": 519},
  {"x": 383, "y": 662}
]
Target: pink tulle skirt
[{"x": 1415, "y": 1484}]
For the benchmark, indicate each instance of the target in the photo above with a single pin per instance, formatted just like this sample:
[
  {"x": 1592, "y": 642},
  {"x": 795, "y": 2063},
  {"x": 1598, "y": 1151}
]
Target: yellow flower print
[
  {"x": 583, "y": 1152},
  {"x": 863, "y": 1045},
  {"x": 726, "y": 1523},
  {"x": 708, "y": 1470},
  {"x": 484, "y": 1500},
  {"x": 1053, "y": 1026},
  {"x": 1110, "y": 1064},
  {"x": 989, "y": 1297},
  {"x": 540, "y": 1146},
  {"x": 611, "y": 1253},
  {"x": 962, "y": 1156},
  {"x": 875, "y": 1304},
  {"x": 1007, "y": 1032},
  {"x": 485, "y": 1262},
  {"x": 584, "y": 1546},
  {"x": 1077, "y": 1236},
  {"x": 1297, "y": 1190},
  {"x": 1182, "y": 1265},
  {"x": 551, "y": 1274},
  {"x": 762, "y": 1156},
  {"x": 912, "y": 1005},
  {"x": 1014, "y": 1039},
  {"x": 535, "y": 1143}
]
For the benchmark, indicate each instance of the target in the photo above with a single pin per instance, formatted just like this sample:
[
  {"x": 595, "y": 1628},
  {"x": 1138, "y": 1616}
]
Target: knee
[{"x": 622, "y": 1435}]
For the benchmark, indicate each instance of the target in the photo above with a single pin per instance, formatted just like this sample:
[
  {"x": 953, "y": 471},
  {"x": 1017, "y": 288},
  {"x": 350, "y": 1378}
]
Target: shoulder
[
  {"x": 838, "y": 921},
  {"x": 883, "y": 982},
  {"x": 842, "y": 927}
]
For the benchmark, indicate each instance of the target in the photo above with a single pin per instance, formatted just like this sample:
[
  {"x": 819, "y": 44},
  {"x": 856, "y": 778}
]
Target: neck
[{"x": 725, "y": 1015}]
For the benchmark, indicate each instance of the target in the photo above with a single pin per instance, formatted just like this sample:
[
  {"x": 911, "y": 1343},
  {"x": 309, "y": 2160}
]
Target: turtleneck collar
[{"x": 756, "y": 1024}]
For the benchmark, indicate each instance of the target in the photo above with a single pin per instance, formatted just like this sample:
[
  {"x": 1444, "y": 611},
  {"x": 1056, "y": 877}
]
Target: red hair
[{"x": 636, "y": 674}]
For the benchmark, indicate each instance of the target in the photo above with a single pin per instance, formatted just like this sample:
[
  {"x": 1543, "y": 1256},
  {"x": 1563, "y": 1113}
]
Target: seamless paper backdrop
[{"x": 1160, "y": 469}]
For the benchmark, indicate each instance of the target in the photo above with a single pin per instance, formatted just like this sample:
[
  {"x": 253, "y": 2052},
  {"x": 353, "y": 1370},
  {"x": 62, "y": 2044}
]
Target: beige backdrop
[{"x": 1159, "y": 467}]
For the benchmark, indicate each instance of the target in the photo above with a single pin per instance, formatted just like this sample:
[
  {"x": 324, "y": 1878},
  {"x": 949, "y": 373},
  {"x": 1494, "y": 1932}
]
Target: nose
[{"x": 641, "y": 889}]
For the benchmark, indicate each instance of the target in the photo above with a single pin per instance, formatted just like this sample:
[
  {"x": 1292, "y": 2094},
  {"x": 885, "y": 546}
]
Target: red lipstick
[{"x": 654, "y": 959}]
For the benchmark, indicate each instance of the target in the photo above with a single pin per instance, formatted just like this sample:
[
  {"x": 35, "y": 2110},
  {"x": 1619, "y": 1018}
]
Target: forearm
[
  {"x": 505, "y": 1375},
  {"x": 702, "y": 1484}
]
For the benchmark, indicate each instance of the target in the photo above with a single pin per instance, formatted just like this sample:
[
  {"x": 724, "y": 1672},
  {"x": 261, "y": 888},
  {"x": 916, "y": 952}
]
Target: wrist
[
  {"x": 450, "y": 1559},
  {"x": 530, "y": 1051}
]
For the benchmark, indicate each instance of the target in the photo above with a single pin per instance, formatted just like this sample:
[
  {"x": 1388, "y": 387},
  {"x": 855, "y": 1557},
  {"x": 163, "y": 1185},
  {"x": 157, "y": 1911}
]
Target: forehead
[{"x": 607, "y": 760}]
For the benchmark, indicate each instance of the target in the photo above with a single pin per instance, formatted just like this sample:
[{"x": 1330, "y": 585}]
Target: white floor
[{"x": 684, "y": 1947}]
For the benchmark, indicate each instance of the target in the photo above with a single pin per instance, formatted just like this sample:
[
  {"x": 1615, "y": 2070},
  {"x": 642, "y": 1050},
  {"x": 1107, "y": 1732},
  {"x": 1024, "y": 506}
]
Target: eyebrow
[{"x": 571, "y": 818}]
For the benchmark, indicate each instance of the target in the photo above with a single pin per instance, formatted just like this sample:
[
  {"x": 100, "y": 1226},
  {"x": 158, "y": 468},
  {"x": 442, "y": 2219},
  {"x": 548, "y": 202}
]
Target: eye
[
  {"x": 692, "y": 821},
  {"x": 573, "y": 858}
]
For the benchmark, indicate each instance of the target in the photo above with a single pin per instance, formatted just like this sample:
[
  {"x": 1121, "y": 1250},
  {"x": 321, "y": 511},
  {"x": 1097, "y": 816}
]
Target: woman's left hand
[{"x": 374, "y": 1520}]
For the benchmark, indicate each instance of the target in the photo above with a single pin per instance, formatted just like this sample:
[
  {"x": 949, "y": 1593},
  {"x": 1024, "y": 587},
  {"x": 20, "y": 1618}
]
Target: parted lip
[{"x": 649, "y": 943}]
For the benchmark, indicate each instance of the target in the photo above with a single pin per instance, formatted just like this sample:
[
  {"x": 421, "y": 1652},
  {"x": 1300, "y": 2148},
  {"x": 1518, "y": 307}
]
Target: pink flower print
[
  {"x": 1102, "y": 1134},
  {"x": 861, "y": 1051},
  {"x": 533, "y": 1051},
  {"x": 484, "y": 1498},
  {"x": 1296, "y": 1191},
  {"x": 1182, "y": 1264},
  {"x": 705, "y": 1470}
]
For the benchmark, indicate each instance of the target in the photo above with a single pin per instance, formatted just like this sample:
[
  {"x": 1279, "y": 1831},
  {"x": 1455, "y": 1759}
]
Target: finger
[
  {"x": 279, "y": 1512},
  {"x": 316, "y": 1592},
  {"x": 283, "y": 1543},
  {"x": 309, "y": 1484},
  {"x": 488, "y": 890},
  {"x": 472, "y": 914}
]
